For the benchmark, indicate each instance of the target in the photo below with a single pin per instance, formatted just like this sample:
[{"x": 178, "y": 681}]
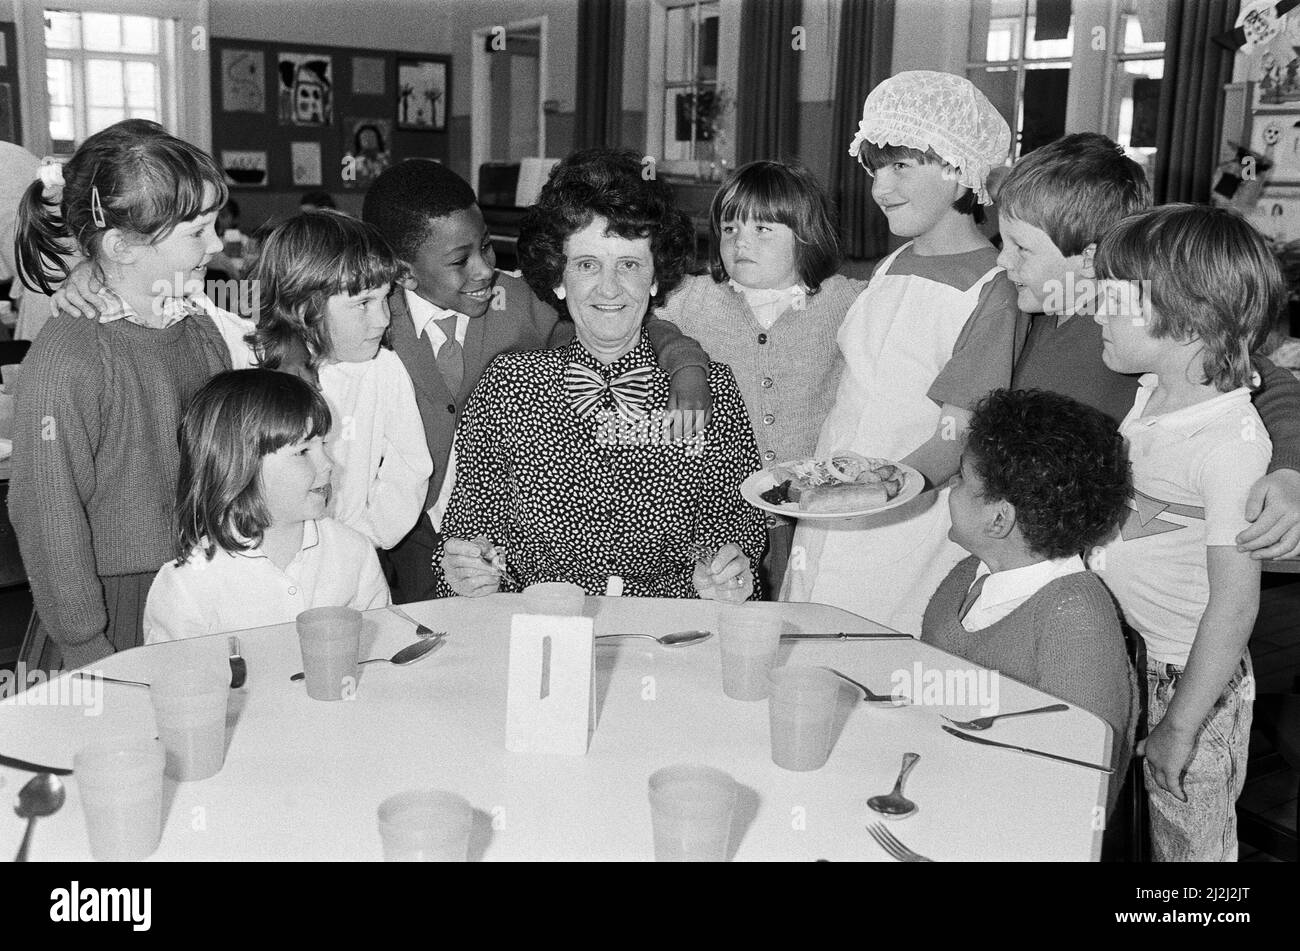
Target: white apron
[{"x": 896, "y": 337}]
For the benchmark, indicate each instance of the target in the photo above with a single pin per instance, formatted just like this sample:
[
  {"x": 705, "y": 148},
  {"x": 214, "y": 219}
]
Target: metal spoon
[
  {"x": 869, "y": 696},
  {"x": 895, "y": 805},
  {"x": 42, "y": 796},
  {"x": 675, "y": 639},
  {"x": 407, "y": 655}
]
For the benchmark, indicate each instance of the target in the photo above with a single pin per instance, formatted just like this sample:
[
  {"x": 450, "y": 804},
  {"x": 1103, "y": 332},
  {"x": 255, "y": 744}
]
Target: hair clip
[
  {"x": 96, "y": 207},
  {"x": 50, "y": 175}
]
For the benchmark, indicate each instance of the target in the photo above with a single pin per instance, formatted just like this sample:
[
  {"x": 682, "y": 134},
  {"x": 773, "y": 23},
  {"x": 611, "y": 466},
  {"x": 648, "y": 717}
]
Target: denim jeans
[{"x": 1203, "y": 829}]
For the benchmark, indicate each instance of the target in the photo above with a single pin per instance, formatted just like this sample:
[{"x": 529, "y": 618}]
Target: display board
[{"x": 301, "y": 117}]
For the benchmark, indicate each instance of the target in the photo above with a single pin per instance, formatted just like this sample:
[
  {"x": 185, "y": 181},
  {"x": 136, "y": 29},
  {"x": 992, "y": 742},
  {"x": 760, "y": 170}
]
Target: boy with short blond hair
[
  {"x": 1184, "y": 291},
  {"x": 1054, "y": 207}
]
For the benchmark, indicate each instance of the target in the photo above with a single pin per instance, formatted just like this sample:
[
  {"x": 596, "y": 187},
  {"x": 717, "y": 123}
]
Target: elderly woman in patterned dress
[{"x": 569, "y": 466}]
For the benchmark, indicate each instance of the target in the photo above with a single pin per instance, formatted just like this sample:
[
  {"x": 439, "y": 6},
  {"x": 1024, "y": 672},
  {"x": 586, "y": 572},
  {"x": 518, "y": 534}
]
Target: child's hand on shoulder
[
  {"x": 80, "y": 294},
  {"x": 1168, "y": 751},
  {"x": 1273, "y": 507},
  {"x": 690, "y": 404}
]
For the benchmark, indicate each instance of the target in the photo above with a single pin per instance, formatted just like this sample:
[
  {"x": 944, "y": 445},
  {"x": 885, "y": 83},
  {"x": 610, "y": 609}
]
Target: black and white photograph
[{"x": 577, "y": 431}]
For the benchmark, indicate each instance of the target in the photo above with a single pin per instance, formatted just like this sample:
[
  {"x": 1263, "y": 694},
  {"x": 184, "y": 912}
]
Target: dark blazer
[{"x": 522, "y": 322}]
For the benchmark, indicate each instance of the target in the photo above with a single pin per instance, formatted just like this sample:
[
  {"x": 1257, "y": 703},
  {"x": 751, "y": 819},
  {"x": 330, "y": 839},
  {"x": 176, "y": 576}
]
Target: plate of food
[{"x": 844, "y": 485}]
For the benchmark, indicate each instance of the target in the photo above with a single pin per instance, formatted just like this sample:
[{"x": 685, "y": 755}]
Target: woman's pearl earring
[{"x": 559, "y": 293}]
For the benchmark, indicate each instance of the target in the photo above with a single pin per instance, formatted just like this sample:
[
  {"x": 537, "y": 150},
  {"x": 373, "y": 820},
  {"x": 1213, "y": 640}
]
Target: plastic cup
[
  {"x": 802, "y": 709},
  {"x": 691, "y": 809},
  {"x": 425, "y": 826},
  {"x": 750, "y": 635},
  {"x": 120, "y": 783},
  {"x": 189, "y": 706},
  {"x": 554, "y": 597},
  {"x": 330, "y": 639}
]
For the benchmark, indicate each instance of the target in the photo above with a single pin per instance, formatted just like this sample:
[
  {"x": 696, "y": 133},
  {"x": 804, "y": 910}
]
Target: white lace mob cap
[{"x": 927, "y": 110}]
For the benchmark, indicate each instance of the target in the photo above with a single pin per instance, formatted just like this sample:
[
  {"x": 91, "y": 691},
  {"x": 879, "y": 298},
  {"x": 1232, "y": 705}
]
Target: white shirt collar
[
  {"x": 1189, "y": 420},
  {"x": 766, "y": 295},
  {"x": 424, "y": 313},
  {"x": 1019, "y": 584},
  {"x": 310, "y": 539}
]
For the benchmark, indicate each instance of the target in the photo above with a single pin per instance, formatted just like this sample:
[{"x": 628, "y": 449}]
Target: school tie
[
  {"x": 972, "y": 596},
  {"x": 586, "y": 387},
  {"x": 451, "y": 355}
]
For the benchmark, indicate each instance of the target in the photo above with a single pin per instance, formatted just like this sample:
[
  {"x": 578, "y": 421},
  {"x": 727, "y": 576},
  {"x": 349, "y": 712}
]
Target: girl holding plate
[{"x": 935, "y": 330}]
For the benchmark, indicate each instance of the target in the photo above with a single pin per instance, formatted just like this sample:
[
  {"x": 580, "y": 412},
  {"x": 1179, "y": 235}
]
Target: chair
[{"x": 1127, "y": 835}]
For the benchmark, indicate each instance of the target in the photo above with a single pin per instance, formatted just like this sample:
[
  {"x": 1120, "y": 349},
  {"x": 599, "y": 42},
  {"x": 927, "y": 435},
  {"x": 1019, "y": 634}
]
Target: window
[
  {"x": 691, "y": 87},
  {"x": 1138, "y": 66},
  {"x": 101, "y": 68},
  {"x": 1020, "y": 57},
  {"x": 1051, "y": 67}
]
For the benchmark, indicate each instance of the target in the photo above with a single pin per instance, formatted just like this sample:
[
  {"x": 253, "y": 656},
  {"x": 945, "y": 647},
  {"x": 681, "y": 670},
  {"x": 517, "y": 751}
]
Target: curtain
[
  {"x": 598, "y": 110},
  {"x": 863, "y": 62},
  {"x": 767, "y": 108},
  {"x": 1191, "y": 98}
]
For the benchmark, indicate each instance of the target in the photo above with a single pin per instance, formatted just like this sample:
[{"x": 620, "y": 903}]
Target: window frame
[
  {"x": 165, "y": 85},
  {"x": 1089, "y": 105},
  {"x": 186, "y": 107},
  {"x": 657, "y": 85}
]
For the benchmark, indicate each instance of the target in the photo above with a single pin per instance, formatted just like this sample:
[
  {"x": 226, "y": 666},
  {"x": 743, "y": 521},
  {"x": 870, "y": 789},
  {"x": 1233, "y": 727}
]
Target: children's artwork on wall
[
  {"x": 367, "y": 76},
  {"x": 1276, "y": 136},
  {"x": 245, "y": 168},
  {"x": 365, "y": 150},
  {"x": 243, "y": 80},
  {"x": 422, "y": 95},
  {"x": 306, "y": 89},
  {"x": 306, "y": 163},
  {"x": 1277, "y": 215},
  {"x": 1274, "y": 66}
]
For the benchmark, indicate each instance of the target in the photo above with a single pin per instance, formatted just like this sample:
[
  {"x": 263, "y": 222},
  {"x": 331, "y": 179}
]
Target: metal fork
[
  {"x": 983, "y": 723},
  {"x": 895, "y": 849},
  {"x": 421, "y": 631}
]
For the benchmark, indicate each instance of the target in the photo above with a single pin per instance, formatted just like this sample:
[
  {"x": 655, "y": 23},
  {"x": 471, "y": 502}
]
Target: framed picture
[
  {"x": 305, "y": 159},
  {"x": 366, "y": 143},
  {"x": 423, "y": 93},
  {"x": 367, "y": 76},
  {"x": 243, "y": 80},
  {"x": 245, "y": 168},
  {"x": 306, "y": 84}
]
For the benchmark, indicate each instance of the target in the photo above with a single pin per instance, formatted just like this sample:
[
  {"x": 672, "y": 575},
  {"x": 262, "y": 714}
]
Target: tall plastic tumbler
[{"x": 802, "y": 709}]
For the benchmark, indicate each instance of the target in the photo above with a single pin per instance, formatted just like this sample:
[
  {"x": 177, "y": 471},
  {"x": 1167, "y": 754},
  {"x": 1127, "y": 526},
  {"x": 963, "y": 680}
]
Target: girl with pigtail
[{"x": 99, "y": 401}]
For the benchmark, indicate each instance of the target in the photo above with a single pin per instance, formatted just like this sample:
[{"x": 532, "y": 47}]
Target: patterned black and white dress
[{"x": 579, "y": 499}]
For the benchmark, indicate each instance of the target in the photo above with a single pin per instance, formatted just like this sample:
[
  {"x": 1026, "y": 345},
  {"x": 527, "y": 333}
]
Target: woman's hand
[
  {"x": 80, "y": 294},
  {"x": 468, "y": 574},
  {"x": 727, "y": 577}
]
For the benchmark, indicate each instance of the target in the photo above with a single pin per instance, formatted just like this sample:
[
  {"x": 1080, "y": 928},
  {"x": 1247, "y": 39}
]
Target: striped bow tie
[{"x": 586, "y": 388}]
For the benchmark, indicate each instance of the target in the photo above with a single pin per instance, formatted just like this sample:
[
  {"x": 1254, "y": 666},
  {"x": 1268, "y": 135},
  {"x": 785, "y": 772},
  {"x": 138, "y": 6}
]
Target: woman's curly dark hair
[
  {"x": 614, "y": 184},
  {"x": 1063, "y": 465}
]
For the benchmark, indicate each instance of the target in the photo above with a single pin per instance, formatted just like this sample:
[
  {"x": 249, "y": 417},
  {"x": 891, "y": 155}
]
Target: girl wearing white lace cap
[{"x": 936, "y": 329}]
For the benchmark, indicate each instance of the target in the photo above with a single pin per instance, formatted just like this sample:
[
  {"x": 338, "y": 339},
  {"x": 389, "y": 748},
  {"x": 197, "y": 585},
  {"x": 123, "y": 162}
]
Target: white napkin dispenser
[{"x": 549, "y": 698}]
